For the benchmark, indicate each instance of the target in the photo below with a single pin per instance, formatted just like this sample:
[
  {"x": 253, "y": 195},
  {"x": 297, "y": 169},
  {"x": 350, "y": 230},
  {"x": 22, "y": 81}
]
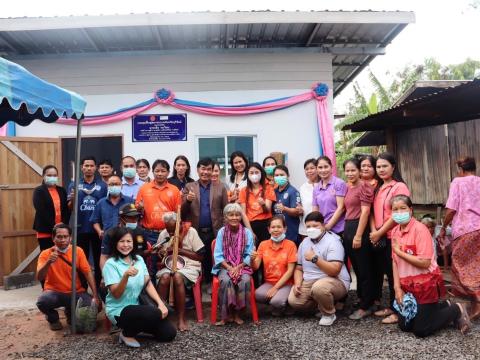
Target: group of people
[{"x": 299, "y": 246}]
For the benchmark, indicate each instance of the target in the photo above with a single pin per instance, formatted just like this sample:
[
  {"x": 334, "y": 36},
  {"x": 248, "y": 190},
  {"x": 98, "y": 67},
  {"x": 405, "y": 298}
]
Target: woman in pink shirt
[
  {"x": 381, "y": 224},
  {"x": 417, "y": 277},
  {"x": 463, "y": 212}
]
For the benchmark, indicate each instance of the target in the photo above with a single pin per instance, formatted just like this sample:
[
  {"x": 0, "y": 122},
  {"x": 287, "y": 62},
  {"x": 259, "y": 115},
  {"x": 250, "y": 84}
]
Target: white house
[{"x": 222, "y": 58}]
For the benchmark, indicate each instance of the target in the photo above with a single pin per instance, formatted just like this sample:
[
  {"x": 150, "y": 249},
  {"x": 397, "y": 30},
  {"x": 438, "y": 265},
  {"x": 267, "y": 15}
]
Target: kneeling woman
[
  {"x": 415, "y": 272},
  {"x": 279, "y": 257},
  {"x": 233, "y": 247},
  {"x": 125, "y": 275}
]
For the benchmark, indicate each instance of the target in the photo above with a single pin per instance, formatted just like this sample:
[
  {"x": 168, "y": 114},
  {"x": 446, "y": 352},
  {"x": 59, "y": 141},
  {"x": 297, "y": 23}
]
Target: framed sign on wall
[{"x": 159, "y": 127}]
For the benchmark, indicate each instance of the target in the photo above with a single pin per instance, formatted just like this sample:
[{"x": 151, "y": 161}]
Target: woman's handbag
[{"x": 144, "y": 298}]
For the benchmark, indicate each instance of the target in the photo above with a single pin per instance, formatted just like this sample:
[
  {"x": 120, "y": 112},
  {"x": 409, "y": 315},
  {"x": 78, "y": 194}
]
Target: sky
[{"x": 445, "y": 30}]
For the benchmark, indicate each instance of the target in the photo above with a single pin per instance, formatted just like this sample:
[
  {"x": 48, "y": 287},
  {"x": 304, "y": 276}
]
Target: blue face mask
[
  {"x": 129, "y": 172},
  {"x": 401, "y": 217},
  {"x": 51, "y": 180},
  {"x": 114, "y": 190},
  {"x": 269, "y": 169},
  {"x": 131, "y": 226},
  {"x": 281, "y": 180},
  {"x": 279, "y": 238}
]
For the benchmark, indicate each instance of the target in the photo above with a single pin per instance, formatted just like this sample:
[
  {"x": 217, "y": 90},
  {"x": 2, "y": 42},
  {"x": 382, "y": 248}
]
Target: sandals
[
  {"x": 391, "y": 319},
  {"x": 463, "y": 322},
  {"x": 383, "y": 312}
]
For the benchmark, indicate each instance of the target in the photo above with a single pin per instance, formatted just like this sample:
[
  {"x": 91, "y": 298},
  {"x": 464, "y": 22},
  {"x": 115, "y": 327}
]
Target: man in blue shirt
[
  {"x": 90, "y": 191},
  {"x": 131, "y": 183},
  {"x": 105, "y": 215}
]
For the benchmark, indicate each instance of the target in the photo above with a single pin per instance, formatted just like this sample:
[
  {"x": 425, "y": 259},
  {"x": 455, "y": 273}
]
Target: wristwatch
[{"x": 314, "y": 259}]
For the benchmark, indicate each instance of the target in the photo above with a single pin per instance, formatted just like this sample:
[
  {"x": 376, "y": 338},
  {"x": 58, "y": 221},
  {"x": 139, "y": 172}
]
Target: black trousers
[
  {"x": 207, "y": 235},
  {"x": 430, "y": 318},
  {"x": 91, "y": 242},
  {"x": 135, "y": 319},
  {"x": 361, "y": 260},
  {"x": 260, "y": 229},
  {"x": 382, "y": 265}
]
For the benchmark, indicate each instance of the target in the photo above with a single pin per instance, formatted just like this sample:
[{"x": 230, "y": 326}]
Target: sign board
[{"x": 159, "y": 127}]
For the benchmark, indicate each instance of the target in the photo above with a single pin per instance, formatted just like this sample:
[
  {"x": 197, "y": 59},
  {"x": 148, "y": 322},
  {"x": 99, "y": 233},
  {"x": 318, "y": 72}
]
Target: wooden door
[{"x": 21, "y": 161}]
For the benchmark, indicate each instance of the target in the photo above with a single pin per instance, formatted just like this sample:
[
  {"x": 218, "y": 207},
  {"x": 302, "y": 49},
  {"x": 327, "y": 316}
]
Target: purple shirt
[{"x": 326, "y": 200}]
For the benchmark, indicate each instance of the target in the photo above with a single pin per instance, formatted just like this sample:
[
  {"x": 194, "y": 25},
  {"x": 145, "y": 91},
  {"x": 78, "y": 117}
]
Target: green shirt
[{"x": 112, "y": 274}]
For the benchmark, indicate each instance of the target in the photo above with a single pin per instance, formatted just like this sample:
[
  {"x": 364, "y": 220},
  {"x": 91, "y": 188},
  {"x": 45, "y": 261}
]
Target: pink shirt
[
  {"x": 415, "y": 240},
  {"x": 382, "y": 210},
  {"x": 464, "y": 198},
  {"x": 357, "y": 196}
]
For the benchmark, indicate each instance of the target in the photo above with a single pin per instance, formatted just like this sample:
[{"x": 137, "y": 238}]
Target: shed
[{"x": 427, "y": 134}]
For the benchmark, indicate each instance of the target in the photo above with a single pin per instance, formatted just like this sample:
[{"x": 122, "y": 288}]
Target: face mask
[
  {"x": 269, "y": 169},
  {"x": 401, "y": 217},
  {"x": 129, "y": 172},
  {"x": 279, "y": 238},
  {"x": 281, "y": 180},
  {"x": 255, "y": 178},
  {"x": 50, "y": 180},
  {"x": 63, "y": 251},
  {"x": 114, "y": 190},
  {"x": 131, "y": 226},
  {"x": 314, "y": 233}
]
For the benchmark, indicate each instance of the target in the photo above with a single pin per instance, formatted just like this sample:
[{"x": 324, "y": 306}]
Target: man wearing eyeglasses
[{"x": 90, "y": 190}]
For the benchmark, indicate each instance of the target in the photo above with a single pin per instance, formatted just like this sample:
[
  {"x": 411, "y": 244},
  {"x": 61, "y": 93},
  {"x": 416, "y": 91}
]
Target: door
[{"x": 22, "y": 160}]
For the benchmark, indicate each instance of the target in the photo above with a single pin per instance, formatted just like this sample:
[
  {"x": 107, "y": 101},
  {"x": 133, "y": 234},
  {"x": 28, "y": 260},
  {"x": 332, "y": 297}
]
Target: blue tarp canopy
[{"x": 24, "y": 97}]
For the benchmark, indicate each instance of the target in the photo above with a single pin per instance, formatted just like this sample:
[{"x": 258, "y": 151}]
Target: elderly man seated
[
  {"x": 191, "y": 251},
  {"x": 55, "y": 268}
]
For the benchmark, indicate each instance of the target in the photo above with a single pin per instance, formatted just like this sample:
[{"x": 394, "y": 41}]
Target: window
[{"x": 219, "y": 149}]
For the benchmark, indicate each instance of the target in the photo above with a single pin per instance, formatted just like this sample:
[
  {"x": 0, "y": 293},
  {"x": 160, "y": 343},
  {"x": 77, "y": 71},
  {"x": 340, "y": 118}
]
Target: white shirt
[{"x": 306, "y": 195}]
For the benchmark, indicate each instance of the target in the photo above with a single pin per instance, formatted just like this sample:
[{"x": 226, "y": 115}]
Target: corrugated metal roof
[{"x": 354, "y": 38}]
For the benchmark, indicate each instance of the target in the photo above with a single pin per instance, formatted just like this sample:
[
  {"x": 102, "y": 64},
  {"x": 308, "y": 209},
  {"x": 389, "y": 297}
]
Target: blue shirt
[
  {"x": 131, "y": 190},
  {"x": 205, "y": 220},
  {"x": 88, "y": 196},
  {"x": 290, "y": 198},
  {"x": 106, "y": 214},
  {"x": 112, "y": 274},
  {"x": 218, "y": 257}
]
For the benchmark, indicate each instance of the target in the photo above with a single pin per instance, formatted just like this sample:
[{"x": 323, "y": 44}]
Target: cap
[{"x": 128, "y": 210}]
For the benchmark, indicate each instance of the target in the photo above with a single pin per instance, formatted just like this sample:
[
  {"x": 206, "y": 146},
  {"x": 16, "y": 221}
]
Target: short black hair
[
  {"x": 48, "y": 167},
  {"x": 282, "y": 167},
  {"x": 310, "y": 161},
  {"x": 205, "y": 162},
  {"x": 315, "y": 216},
  {"x": 269, "y": 157},
  {"x": 61, "y": 226},
  {"x": 145, "y": 161},
  {"x": 115, "y": 234},
  {"x": 406, "y": 199},
  {"x": 278, "y": 217},
  {"x": 106, "y": 162},
  {"x": 162, "y": 163},
  {"x": 88, "y": 157}
]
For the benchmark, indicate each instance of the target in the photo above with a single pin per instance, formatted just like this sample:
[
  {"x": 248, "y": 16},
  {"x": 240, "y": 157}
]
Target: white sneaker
[{"x": 327, "y": 320}]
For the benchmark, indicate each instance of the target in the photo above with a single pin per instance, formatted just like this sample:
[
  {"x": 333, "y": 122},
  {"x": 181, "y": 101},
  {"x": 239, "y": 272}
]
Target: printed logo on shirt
[
  {"x": 88, "y": 203},
  {"x": 411, "y": 249},
  {"x": 285, "y": 196},
  {"x": 139, "y": 239}
]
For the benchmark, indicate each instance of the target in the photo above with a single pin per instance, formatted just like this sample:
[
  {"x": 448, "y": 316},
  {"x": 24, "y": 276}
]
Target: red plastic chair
[
  {"x": 197, "y": 297},
  {"x": 216, "y": 286}
]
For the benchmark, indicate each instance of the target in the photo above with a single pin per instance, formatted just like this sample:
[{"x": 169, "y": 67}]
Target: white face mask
[
  {"x": 314, "y": 233},
  {"x": 254, "y": 178},
  {"x": 64, "y": 251}
]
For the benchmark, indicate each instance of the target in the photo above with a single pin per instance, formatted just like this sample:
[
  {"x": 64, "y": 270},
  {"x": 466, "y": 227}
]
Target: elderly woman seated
[
  {"x": 233, "y": 247},
  {"x": 191, "y": 251}
]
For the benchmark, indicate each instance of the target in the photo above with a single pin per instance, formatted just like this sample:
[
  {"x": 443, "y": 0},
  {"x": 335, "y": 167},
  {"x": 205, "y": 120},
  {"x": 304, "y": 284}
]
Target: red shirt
[{"x": 356, "y": 197}]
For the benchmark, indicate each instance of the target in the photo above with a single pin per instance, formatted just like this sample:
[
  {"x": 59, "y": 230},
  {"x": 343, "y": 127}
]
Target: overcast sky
[{"x": 446, "y": 30}]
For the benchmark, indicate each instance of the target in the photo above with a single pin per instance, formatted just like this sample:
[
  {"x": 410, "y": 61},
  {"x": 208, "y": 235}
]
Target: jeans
[
  {"x": 430, "y": 318},
  {"x": 51, "y": 300},
  {"x": 91, "y": 241},
  {"x": 135, "y": 319}
]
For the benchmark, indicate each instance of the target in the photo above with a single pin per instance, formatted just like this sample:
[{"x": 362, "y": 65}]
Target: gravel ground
[{"x": 293, "y": 337}]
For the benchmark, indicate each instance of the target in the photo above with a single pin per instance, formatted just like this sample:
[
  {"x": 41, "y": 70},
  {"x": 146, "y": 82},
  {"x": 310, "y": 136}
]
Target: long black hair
[
  {"x": 396, "y": 173},
  {"x": 234, "y": 172},
  {"x": 115, "y": 234},
  {"x": 184, "y": 158},
  {"x": 263, "y": 178}
]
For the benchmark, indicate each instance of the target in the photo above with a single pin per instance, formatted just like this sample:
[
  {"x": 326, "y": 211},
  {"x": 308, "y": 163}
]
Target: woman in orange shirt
[
  {"x": 279, "y": 256},
  {"x": 50, "y": 203},
  {"x": 256, "y": 200}
]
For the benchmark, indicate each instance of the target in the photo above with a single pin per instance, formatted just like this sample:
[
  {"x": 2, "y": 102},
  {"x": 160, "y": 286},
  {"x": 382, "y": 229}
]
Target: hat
[{"x": 128, "y": 210}]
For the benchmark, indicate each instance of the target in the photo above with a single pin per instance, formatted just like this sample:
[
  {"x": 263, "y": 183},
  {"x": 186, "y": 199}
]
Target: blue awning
[{"x": 24, "y": 97}]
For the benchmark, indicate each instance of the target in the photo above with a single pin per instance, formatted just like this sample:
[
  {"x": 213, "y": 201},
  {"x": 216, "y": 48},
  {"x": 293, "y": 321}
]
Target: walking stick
[{"x": 176, "y": 241}]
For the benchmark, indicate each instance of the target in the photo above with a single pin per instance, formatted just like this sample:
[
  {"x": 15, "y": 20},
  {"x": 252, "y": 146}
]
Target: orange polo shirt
[
  {"x": 254, "y": 209},
  {"x": 59, "y": 274},
  {"x": 157, "y": 200},
  {"x": 275, "y": 261}
]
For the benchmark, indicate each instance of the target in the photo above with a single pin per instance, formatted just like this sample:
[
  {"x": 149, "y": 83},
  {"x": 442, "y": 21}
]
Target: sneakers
[
  {"x": 327, "y": 320},
  {"x": 55, "y": 326}
]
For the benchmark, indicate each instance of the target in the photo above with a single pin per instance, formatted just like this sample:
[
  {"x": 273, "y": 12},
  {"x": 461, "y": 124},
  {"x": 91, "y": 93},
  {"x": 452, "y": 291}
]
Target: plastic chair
[
  {"x": 215, "y": 288},
  {"x": 197, "y": 297}
]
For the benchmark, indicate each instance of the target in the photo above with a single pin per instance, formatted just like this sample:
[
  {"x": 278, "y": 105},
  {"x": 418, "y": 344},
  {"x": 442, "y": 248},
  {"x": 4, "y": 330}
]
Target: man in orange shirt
[
  {"x": 155, "y": 199},
  {"x": 54, "y": 267}
]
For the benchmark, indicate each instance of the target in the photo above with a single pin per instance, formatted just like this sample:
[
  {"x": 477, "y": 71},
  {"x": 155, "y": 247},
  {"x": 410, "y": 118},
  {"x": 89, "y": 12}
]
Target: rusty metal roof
[{"x": 354, "y": 38}]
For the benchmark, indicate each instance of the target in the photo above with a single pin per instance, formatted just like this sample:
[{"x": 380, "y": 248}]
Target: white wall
[{"x": 112, "y": 82}]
